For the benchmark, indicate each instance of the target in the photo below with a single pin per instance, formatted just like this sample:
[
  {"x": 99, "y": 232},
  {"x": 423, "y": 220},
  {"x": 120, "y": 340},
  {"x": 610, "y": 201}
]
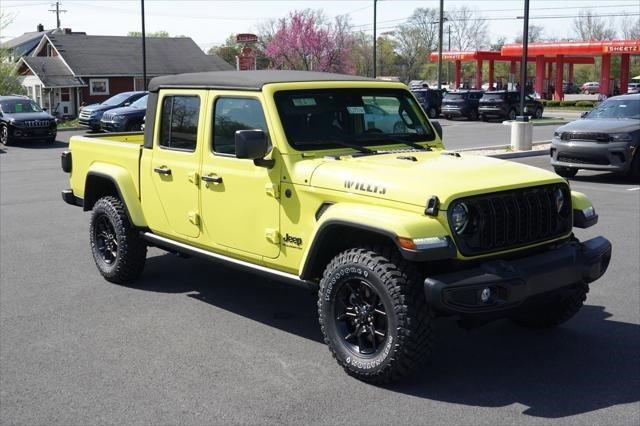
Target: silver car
[{"x": 606, "y": 138}]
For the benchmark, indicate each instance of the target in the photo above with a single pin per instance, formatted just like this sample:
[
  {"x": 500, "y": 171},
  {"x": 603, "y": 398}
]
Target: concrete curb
[
  {"x": 498, "y": 147},
  {"x": 521, "y": 154},
  {"x": 71, "y": 129}
]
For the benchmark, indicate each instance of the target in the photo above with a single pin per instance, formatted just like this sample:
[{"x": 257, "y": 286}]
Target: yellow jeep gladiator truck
[{"x": 340, "y": 183}]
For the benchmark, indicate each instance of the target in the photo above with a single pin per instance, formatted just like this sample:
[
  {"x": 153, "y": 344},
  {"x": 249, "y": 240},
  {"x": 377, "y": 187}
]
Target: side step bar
[{"x": 171, "y": 245}]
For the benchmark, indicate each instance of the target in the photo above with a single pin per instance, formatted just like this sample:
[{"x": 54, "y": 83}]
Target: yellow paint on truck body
[{"x": 268, "y": 216}]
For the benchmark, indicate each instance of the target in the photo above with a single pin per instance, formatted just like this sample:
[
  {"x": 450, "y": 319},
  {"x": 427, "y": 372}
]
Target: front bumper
[
  {"x": 607, "y": 156},
  {"x": 454, "y": 111},
  {"x": 93, "y": 123},
  {"x": 26, "y": 133},
  {"x": 511, "y": 283},
  {"x": 112, "y": 126},
  {"x": 492, "y": 111}
]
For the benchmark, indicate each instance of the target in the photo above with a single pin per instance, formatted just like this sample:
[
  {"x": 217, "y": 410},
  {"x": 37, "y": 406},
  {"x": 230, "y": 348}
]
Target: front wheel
[
  {"x": 538, "y": 113},
  {"x": 511, "y": 115},
  {"x": 553, "y": 310},
  {"x": 565, "y": 172},
  {"x": 432, "y": 112},
  {"x": 473, "y": 115},
  {"x": 373, "y": 314},
  {"x": 4, "y": 135},
  {"x": 118, "y": 250}
]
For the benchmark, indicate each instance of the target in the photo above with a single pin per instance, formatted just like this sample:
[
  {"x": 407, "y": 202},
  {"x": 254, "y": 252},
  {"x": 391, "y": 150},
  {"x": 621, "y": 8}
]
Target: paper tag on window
[
  {"x": 304, "y": 102},
  {"x": 355, "y": 110}
]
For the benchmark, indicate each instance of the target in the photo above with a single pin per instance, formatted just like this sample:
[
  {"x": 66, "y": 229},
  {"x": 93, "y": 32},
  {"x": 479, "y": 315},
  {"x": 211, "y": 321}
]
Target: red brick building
[{"x": 65, "y": 71}]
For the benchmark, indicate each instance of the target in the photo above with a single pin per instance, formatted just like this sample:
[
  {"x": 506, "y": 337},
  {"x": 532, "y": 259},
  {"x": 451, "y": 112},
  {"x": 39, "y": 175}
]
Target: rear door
[{"x": 176, "y": 160}]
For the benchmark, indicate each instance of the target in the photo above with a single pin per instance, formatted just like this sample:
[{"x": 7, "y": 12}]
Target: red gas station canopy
[
  {"x": 615, "y": 47},
  {"x": 486, "y": 55}
]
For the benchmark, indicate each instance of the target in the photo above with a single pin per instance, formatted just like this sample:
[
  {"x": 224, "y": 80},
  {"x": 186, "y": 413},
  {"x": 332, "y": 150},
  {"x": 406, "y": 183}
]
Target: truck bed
[{"x": 105, "y": 151}]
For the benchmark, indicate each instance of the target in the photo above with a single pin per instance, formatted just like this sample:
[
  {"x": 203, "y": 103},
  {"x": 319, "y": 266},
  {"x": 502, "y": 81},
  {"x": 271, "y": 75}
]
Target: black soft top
[{"x": 245, "y": 80}]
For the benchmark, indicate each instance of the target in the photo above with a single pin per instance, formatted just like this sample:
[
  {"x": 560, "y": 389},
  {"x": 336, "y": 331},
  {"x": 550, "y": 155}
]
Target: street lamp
[
  {"x": 523, "y": 64},
  {"x": 440, "y": 24},
  {"x": 375, "y": 2},
  {"x": 144, "y": 49}
]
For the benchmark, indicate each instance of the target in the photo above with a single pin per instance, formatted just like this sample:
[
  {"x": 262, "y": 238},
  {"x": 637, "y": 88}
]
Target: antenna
[{"x": 57, "y": 11}]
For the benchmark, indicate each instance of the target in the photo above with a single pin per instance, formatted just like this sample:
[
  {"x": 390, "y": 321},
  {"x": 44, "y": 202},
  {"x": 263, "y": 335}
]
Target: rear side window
[
  {"x": 179, "y": 127},
  {"x": 231, "y": 115}
]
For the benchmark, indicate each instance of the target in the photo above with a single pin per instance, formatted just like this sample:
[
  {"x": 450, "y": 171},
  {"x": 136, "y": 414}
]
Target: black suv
[
  {"x": 23, "y": 119},
  {"x": 461, "y": 103},
  {"x": 430, "y": 100},
  {"x": 125, "y": 119},
  {"x": 503, "y": 104}
]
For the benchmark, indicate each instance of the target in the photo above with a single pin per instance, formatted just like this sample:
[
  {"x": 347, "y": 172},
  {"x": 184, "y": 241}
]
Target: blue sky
[{"x": 209, "y": 22}]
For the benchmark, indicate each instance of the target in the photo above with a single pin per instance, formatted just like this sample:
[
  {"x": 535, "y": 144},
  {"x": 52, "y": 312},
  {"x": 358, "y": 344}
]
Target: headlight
[
  {"x": 620, "y": 137},
  {"x": 559, "y": 197},
  {"x": 459, "y": 217},
  {"x": 557, "y": 134}
]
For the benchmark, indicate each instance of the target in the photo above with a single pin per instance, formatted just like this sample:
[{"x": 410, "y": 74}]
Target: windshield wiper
[
  {"x": 400, "y": 141},
  {"x": 341, "y": 143}
]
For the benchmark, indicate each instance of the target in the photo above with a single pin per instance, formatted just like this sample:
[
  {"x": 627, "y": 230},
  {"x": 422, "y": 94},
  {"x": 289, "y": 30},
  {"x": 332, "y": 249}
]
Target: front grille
[
  {"x": 37, "y": 123},
  {"x": 585, "y": 136},
  {"x": 85, "y": 115},
  {"x": 107, "y": 116},
  {"x": 582, "y": 159},
  {"x": 511, "y": 219}
]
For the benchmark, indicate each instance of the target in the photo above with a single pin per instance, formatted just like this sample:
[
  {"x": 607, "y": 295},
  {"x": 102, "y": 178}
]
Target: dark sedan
[
  {"x": 23, "y": 119},
  {"x": 125, "y": 119},
  {"x": 606, "y": 138},
  {"x": 91, "y": 115}
]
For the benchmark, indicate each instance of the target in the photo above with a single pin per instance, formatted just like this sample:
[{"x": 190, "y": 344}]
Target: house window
[
  {"x": 64, "y": 94},
  {"x": 38, "y": 94},
  {"x": 99, "y": 86},
  {"x": 30, "y": 91}
]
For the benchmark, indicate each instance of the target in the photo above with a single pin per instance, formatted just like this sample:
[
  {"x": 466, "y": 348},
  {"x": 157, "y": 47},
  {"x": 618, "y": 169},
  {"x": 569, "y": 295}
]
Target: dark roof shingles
[{"x": 52, "y": 71}]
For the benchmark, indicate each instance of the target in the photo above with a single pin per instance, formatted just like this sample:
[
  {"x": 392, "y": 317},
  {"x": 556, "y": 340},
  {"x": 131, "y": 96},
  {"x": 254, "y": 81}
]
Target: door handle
[
  {"x": 212, "y": 179},
  {"x": 162, "y": 170}
]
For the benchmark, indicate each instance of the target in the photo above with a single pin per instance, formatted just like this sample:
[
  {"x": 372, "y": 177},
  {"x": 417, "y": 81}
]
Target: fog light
[{"x": 485, "y": 295}]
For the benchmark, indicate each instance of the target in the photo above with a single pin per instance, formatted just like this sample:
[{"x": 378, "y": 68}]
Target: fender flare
[{"x": 127, "y": 191}]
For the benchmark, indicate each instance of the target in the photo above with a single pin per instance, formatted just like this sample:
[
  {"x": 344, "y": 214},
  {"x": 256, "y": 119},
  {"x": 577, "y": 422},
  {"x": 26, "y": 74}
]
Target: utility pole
[
  {"x": 144, "y": 49},
  {"x": 57, "y": 11},
  {"x": 375, "y": 61},
  {"x": 440, "y": 25},
  {"x": 449, "y": 62},
  {"x": 523, "y": 64}
]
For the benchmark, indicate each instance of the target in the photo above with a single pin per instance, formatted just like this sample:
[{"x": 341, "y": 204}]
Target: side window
[
  {"x": 179, "y": 126},
  {"x": 232, "y": 114}
]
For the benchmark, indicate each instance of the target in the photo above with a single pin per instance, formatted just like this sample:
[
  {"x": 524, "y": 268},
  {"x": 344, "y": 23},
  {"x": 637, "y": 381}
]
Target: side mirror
[
  {"x": 584, "y": 114},
  {"x": 436, "y": 125},
  {"x": 252, "y": 145},
  {"x": 127, "y": 104},
  {"x": 45, "y": 109}
]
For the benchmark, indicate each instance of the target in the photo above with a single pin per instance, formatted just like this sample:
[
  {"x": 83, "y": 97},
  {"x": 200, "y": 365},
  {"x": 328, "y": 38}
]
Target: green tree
[
  {"x": 227, "y": 51},
  {"x": 10, "y": 82},
  {"x": 161, "y": 33}
]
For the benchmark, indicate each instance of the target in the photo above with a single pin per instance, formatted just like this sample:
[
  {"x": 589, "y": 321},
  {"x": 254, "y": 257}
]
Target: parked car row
[{"x": 91, "y": 115}]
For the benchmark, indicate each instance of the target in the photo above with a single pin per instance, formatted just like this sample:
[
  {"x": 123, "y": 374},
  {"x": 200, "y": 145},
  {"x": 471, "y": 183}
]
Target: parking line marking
[{"x": 633, "y": 189}]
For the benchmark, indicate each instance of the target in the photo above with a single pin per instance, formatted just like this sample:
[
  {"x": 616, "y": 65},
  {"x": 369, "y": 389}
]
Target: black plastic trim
[
  {"x": 115, "y": 184},
  {"x": 69, "y": 198},
  {"x": 580, "y": 221},
  {"x": 65, "y": 161}
]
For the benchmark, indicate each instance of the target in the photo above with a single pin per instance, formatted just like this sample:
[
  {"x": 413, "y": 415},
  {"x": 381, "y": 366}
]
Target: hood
[
  {"x": 416, "y": 176},
  {"x": 24, "y": 116},
  {"x": 98, "y": 107},
  {"x": 604, "y": 125},
  {"x": 128, "y": 111}
]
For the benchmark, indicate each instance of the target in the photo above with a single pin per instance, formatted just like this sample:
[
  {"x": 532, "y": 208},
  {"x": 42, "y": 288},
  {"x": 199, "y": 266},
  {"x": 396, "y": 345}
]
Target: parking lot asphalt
[{"x": 195, "y": 343}]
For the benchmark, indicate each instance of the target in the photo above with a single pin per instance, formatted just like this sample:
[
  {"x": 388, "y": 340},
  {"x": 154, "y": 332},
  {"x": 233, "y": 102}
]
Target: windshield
[
  {"x": 616, "y": 108},
  {"x": 117, "y": 99},
  {"x": 329, "y": 118},
  {"x": 17, "y": 106},
  {"x": 454, "y": 96},
  {"x": 140, "y": 103}
]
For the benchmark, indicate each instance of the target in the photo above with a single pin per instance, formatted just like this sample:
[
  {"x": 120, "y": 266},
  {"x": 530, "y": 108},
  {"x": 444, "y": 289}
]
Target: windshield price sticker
[
  {"x": 355, "y": 109},
  {"x": 304, "y": 102}
]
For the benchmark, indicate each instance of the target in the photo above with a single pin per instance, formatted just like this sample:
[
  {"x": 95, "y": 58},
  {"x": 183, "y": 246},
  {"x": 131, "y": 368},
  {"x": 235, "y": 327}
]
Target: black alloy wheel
[
  {"x": 105, "y": 238},
  {"x": 4, "y": 134},
  {"x": 361, "y": 318}
]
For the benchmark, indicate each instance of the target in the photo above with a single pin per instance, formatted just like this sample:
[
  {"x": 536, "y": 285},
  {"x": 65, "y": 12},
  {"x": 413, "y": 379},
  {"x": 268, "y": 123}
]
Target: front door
[
  {"x": 240, "y": 204},
  {"x": 176, "y": 160}
]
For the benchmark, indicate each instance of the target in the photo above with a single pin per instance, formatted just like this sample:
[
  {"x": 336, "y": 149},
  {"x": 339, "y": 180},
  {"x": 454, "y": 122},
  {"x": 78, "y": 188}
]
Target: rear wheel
[
  {"x": 553, "y": 310},
  {"x": 565, "y": 172},
  {"x": 373, "y": 314},
  {"x": 118, "y": 250},
  {"x": 4, "y": 135}
]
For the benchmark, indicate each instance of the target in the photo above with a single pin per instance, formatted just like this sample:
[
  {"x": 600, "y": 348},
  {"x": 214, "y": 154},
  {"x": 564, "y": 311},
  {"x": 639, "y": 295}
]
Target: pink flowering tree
[{"x": 303, "y": 41}]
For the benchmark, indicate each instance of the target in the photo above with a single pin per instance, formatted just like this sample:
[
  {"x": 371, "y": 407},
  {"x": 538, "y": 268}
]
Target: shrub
[
  {"x": 553, "y": 103},
  {"x": 585, "y": 104},
  {"x": 568, "y": 103},
  {"x": 543, "y": 102}
]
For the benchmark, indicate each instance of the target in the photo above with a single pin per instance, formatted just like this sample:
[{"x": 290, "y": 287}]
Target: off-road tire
[
  {"x": 565, "y": 172},
  {"x": 131, "y": 251},
  {"x": 5, "y": 138},
  {"x": 409, "y": 321},
  {"x": 554, "y": 310}
]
